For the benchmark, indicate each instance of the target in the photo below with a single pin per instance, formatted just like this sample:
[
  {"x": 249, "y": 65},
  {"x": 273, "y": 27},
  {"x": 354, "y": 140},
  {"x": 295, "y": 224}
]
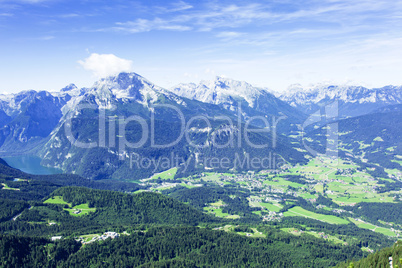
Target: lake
[{"x": 30, "y": 164}]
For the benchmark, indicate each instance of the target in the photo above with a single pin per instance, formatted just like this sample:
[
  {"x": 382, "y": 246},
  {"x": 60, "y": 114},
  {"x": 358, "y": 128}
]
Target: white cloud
[
  {"x": 69, "y": 15},
  {"x": 103, "y": 65},
  {"x": 144, "y": 25},
  {"x": 229, "y": 35},
  {"x": 213, "y": 17},
  {"x": 175, "y": 7},
  {"x": 208, "y": 17}
]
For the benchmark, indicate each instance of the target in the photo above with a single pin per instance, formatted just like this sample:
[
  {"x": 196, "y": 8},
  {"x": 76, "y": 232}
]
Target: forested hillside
[
  {"x": 176, "y": 247},
  {"x": 35, "y": 187},
  {"x": 124, "y": 209},
  {"x": 155, "y": 231},
  {"x": 387, "y": 257},
  {"x": 372, "y": 140}
]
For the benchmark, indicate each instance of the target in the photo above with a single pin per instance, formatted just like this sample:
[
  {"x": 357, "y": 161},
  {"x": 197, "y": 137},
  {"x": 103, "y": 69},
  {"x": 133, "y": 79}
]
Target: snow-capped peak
[
  {"x": 221, "y": 90},
  {"x": 354, "y": 100},
  {"x": 127, "y": 86},
  {"x": 70, "y": 87}
]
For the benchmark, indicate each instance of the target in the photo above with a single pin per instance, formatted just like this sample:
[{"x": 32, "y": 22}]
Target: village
[{"x": 87, "y": 239}]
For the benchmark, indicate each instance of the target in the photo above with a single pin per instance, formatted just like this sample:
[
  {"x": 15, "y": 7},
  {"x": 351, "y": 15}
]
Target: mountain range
[
  {"x": 182, "y": 177},
  {"x": 215, "y": 114},
  {"x": 353, "y": 100}
]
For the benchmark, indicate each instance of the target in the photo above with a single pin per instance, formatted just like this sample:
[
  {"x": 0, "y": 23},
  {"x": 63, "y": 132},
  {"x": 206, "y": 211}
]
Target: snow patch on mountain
[
  {"x": 297, "y": 95},
  {"x": 128, "y": 86},
  {"x": 219, "y": 91}
]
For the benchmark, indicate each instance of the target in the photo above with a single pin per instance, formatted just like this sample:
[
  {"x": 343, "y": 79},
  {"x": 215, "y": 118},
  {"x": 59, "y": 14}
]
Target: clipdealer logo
[{"x": 110, "y": 127}]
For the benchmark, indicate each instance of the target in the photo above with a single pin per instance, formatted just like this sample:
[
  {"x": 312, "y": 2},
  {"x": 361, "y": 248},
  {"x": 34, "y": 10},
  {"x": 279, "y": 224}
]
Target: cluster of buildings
[
  {"x": 273, "y": 216},
  {"x": 105, "y": 236},
  {"x": 323, "y": 235}
]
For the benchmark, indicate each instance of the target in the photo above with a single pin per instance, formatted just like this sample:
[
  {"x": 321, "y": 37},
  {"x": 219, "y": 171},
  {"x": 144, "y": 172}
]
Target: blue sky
[{"x": 47, "y": 44}]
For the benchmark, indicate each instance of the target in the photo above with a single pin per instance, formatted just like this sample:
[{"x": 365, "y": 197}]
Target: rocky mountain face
[
  {"x": 99, "y": 126},
  {"x": 96, "y": 131},
  {"x": 229, "y": 93},
  {"x": 27, "y": 119},
  {"x": 352, "y": 100}
]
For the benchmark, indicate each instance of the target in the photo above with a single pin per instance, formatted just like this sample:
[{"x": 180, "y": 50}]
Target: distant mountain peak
[
  {"x": 349, "y": 96},
  {"x": 69, "y": 87},
  {"x": 124, "y": 86},
  {"x": 346, "y": 93},
  {"x": 230, "y": 93},
  {"x": 220, "y": 90},
  {"x": 124, "y": 80}
]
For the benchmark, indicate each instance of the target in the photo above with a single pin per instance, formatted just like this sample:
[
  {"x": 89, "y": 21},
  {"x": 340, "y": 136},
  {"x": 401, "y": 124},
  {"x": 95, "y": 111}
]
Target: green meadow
[{"x": 301, "y": 212}]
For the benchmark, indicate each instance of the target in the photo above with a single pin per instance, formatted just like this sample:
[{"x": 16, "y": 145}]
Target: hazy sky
[{"x": 47, "y": 44}]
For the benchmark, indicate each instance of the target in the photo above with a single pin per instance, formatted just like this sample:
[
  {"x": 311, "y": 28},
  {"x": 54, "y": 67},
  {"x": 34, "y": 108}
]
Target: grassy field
[
  {"x": 365, "y": 225},
  {"x": 328, "y": 237},
  {"x": 89, "y": 237},
  {"x": 231, "y": 228},
  {"x": 220, "y": 203},
  {"x": 188, "y": 186},
  {"x": 255, "y": 233},
  {"x": 56, "y": 200},
  {"x": 5, "y": 187},
  {"x": 165, "y": 175},
  {"x": 308, "y": 195},
  {"x": 84, "y": 208},
  {"x": 385, "y": 231},
  {"x": 233, "y": 217},
  {"x": 279, "y": 181},
  {"x": 217, "y": 177},
  {"x": 393, "y": 171},
  {"x": 271, "y": 207},
  {"x": 215, "y": 208},
  {"x": 397, "y": 161},
  {"x": 362, "y": 197},
  {"x": 319, "y": 188},
  {"x": 301, "y": 212},
  {"x": 218, "y": 212}
]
